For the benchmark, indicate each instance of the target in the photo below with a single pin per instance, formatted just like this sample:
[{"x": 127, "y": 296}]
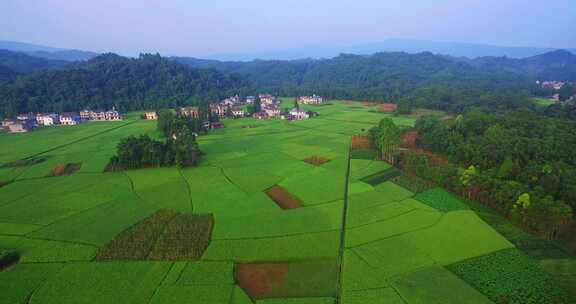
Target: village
[{"x": 262, "y": 106}]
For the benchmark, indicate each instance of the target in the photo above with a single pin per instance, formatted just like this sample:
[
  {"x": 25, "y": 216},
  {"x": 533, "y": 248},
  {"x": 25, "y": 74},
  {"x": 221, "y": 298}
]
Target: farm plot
[
  {"x": 396, "y": 242},
  {"x": 300, "y": 279},
  {"x": 510, "y": 276}
]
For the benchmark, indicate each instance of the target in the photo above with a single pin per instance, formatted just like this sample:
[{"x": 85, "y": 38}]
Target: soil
[
  {"x": 258, "y": 279},
  {"x": 361, "y": 142},
  {"x": 283, "y": 198},
  {"x": 316, "y": 160},
  {"x": 65, "y": 169}
]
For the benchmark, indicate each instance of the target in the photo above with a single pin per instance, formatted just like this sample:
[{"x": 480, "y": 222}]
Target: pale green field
[{"x": 395, "y": 246}]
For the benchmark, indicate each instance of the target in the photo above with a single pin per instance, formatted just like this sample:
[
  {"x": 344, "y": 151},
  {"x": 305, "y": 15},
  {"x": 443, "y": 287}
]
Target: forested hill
[
  {"x": 149, "y": 81},
  {"x": 557, "y": 65},
  {"x": 23, "y": 64},
  {"x": 378, "y": 77}
]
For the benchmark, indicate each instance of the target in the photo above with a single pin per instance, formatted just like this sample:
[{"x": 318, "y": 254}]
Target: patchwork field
[{"x": 276, "y": 213}]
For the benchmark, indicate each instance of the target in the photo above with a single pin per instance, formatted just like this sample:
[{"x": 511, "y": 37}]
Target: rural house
[
  {"x": 191, "y": 112},
  {"x": 218, "y": 109},
  {"x": 47, "y": 119},
  {"x": 272, "y": 110},
  {"x": 18, "y": 126},
  {"x": 70, "y": 118},
  {"x": 238, "y": 112},
  {"x": 314, "y": 100},
  {"x": 298, "y": 114},
  {"x": 150, "y": 115},
  {"x": 250, "y": 99}
]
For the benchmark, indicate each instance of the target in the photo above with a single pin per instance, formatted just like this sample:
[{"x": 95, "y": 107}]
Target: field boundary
[{"x": 342, "y": 247}]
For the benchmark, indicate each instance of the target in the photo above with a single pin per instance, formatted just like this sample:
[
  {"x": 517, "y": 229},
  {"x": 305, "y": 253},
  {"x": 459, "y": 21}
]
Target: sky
[{"x": 200, "y": 28}]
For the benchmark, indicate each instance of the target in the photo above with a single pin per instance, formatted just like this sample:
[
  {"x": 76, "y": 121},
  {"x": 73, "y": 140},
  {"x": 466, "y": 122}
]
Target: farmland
[{"x": 335, "y": 228}]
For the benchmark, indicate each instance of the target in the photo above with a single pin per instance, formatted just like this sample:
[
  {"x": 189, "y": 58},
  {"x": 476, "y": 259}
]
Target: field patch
[
  {"x": 316, "y": 160},
  {"x": 361, "y": 142},
  {"x": 436, "y": 285},
  {"x": 283, "y": 198},
  {"x": 441, "y": 200},
  {"x": 412, "y": 183},
  {"x": 287, "y": 279},
  {"x": 509, "y": 276},
  {"x": 64, "y": 169},
  {"x": 113, "y": 282},
  {"x": 166, "y": 235},
  {"x": 381, "y": 177}
]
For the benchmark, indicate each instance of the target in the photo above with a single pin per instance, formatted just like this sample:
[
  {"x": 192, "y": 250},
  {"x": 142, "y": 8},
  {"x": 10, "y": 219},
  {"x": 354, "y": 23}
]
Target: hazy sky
[{"x": 196, "y": 28}]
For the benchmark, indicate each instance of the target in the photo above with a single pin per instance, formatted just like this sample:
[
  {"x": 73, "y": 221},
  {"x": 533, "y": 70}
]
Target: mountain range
[
  {"x": 411, "y": 46},
  {"x": 47, "y": 52}
]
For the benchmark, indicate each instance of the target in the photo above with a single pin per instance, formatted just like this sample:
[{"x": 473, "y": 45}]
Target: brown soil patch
[
  {"x": 387, "y": 107},
  {"x": 316, "y": 160},
  {"x": 368, "y": 103},
  {"x": 258, "y": 279},
  {"x": 249, "y": 126},
  {"x": 361, "y": 142},
  {"x": 283, "y": 198},
  {"x": 65, "y": 169}
]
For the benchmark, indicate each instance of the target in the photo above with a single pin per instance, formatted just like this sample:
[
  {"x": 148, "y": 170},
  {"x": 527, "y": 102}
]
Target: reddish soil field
[
  {"x": 258, "y": 279},
  {"x": 361, "y": 142},
  {"x": 387, "y": 107},
  {"x": 316, "y": 160},
  {"x": 64, "y": 169},
  {"x": 283, "y": 198}
]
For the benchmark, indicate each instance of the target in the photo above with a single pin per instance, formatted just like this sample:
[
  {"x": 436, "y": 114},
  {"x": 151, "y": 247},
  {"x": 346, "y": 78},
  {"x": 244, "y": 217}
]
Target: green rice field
[{"x": 358, "y": 236}]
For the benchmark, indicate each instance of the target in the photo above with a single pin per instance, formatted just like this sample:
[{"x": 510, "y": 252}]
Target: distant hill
[
  {"x": 148, "y": 82},
  {"x": 47, "y": 52},
  {"x": 555, "y": 65},
  {"x": 456, "y": 49},
  {"x": 23, "y": 64}
]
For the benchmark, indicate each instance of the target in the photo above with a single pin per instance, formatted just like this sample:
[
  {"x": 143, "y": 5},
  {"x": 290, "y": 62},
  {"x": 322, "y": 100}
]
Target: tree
[
  {"x": 386, "y": 137},
  {"x": 165, "y": 120}
]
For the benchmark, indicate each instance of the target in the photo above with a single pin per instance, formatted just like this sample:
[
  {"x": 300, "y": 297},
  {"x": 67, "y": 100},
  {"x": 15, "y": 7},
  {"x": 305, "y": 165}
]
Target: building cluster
[
  {"x": 551, "y": 84},
  {"x": 28, "y": 121}
]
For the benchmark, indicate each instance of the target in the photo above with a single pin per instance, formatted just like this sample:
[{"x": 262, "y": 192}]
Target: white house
[
  {"x": 298, "y": 114},
  {"x": 238, "y": 112},
  {"x": 70, "y": 118},
  {"x": 314, "y": 99},
  {"x": 47, "y": 119}
]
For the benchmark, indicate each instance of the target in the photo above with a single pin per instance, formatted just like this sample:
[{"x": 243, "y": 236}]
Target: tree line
[
  {"x": 519, "y": 162},
  {"x": 179, "y": 148}
]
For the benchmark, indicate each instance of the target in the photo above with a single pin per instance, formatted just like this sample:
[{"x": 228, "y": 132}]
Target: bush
[{"x": 7, "y": 258}]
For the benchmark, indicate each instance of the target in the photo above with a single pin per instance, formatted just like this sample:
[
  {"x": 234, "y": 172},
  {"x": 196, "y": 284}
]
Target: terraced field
[{"x": 354, "y": 236}]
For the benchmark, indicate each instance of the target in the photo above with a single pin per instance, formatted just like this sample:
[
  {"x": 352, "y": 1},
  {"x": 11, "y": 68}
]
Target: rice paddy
[{"x": 275, "y": 213}]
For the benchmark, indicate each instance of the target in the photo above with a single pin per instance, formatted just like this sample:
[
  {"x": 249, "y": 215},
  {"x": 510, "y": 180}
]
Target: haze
[{"x": 202, "y": 28}]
